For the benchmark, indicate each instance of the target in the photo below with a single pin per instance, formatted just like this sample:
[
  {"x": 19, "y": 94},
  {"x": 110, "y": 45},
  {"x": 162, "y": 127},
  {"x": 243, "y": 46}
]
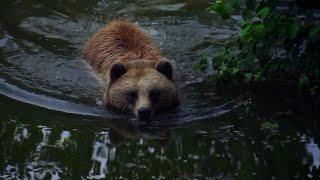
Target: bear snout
[{"x": 144, "y": 114}]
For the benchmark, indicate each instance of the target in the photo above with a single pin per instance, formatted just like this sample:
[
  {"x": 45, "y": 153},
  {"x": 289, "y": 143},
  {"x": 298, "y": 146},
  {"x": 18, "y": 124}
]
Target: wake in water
[{"x": 186, "y": 113}]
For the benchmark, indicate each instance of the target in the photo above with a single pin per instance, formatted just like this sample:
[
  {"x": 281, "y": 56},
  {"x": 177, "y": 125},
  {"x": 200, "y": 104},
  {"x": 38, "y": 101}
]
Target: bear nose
[{"x": 144, "y": 113}]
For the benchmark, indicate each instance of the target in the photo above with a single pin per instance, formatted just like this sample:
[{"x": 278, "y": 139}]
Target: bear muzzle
[{"x": 144, "y": 114}]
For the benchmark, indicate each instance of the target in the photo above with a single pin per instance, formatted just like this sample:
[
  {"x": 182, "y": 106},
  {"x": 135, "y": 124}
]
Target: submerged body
[{"x": 137, "y": 78}]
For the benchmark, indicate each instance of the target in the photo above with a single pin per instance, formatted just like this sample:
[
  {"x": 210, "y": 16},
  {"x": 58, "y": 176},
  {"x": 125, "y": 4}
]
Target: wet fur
[
  {"x": 124, "y": 42},
  {"x": 119, "y": 41}
]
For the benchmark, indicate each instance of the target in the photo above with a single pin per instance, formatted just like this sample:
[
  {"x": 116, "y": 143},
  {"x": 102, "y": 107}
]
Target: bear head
[{"x": 143, "y": 87}]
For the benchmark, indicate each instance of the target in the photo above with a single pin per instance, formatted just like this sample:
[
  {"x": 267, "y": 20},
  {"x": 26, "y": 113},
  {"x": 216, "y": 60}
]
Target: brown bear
[{"x": 137, "y": 78}]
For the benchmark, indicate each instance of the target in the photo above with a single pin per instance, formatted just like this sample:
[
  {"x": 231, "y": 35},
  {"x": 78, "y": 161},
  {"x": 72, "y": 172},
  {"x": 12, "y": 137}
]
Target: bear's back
[{"x": 119, "y": 41}]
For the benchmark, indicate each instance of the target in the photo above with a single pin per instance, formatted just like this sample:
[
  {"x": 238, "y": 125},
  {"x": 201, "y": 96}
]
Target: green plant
[
  {"x": 269, "y": 125},
  {"x": 272, "y": 44},
  {"x": 248, "y": 105},
  {"x": 203, "y": 62}
]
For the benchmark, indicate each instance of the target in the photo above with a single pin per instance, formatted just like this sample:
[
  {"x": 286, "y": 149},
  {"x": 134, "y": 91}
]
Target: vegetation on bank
[{"x": 278, "y": 41}]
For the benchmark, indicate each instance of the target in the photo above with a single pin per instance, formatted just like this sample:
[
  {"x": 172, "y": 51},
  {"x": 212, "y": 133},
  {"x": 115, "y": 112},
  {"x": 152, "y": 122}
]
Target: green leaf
[
  {"x": 251, "y": 4},
  {"x": 203, "y": 62},
  {"x": 236, "y": 4},
  {"x": 235, "y": 70},
  {"x": 245, "y": 32},
  {"x": 223, "y": 8},
  {"x": 248, "y": 77},
  {"x": 223, "y": 67},
  {"x": 269, "y": 125},
  {"x": 303, "y": 81},
  {"x": 257, "y": 76},
  {"x": 293, "y": 29},
  {"x": 248, "y": 14},
  {"x": 314, "y": 33},
  {"x": 264, "y": 12},
  {"x": 258, "y": 31}
]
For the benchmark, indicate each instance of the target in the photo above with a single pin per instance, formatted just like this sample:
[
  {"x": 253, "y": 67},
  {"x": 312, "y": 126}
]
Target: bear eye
[
  {"x": 131, "y": 96},
  {"x": 154, "y": 95}
]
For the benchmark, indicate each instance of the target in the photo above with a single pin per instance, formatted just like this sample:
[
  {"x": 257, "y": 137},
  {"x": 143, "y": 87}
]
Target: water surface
[{"x": 52, "y": 123}]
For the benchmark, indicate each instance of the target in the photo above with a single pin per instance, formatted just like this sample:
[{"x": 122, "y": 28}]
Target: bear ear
[
  {"x": 165, "y": 68},
  {"x": 116, "y": 71}
]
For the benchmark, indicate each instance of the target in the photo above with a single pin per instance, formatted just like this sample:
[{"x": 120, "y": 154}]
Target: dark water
[{"x": 52, "y": 124}]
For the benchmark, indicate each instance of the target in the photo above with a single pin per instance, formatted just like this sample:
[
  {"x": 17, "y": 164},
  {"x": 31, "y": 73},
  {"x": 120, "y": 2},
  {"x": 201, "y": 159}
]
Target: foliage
[
  {"x": 272, "y": 44},
  {"x": 248, "y": 104},
  {"x": 203, "y": 62},
  {"x": 269, "y": 125}
]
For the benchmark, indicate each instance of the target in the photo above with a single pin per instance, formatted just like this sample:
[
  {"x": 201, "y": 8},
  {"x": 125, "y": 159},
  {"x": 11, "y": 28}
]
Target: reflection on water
[
  {"x": 21, "y": 133},
  {"x": 314, "y": 151},
  {"x": 36, "y": 165},
  {"x": 100, "y": 157},
  {"x": 44, "y": 170},
  {"x": 118, "y": 149},
  {"x": 46, "y": 132}
]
